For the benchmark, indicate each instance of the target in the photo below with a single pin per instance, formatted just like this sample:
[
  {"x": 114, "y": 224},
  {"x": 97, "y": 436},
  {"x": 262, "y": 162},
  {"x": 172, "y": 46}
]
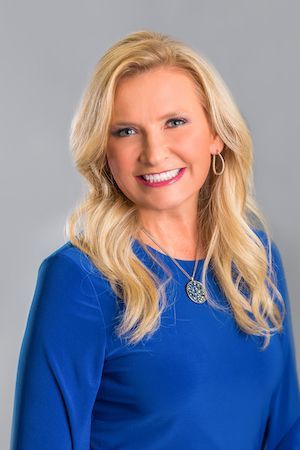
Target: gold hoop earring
[{"x": 214, "y": 164}]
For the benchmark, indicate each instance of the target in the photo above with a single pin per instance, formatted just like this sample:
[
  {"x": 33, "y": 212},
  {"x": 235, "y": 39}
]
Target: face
[{"x": 158, "y": 127}]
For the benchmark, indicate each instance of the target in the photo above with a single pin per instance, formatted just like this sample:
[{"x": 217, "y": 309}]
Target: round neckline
[{"x": 183, "y": 261}]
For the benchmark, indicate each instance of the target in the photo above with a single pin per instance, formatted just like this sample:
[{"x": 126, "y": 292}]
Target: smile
[
  {"x": 153, "y": 177},
  {"x": 161, "y": 179}
]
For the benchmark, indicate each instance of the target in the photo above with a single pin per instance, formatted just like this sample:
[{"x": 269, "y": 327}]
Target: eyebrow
[{"x": 170, "y": 114}]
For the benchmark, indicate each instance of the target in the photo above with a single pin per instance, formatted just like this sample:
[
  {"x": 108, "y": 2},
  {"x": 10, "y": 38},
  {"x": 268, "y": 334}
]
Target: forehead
[{"x": 154, "y": 88}]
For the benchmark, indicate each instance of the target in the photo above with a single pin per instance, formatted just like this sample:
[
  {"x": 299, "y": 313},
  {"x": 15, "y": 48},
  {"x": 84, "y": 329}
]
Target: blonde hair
[{"x": 104, "y": 223}]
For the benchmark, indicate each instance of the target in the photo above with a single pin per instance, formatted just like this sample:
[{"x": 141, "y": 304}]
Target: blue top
[{"x": 197, "y": 383}]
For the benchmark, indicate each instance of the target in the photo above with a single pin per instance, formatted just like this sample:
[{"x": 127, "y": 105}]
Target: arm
[
  {"x": 283, "y": 429},
  {"x": 60, "y": 362}
]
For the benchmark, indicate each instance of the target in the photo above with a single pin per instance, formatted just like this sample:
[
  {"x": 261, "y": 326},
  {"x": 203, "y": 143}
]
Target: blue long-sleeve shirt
[{"x": 197, "y": 383}]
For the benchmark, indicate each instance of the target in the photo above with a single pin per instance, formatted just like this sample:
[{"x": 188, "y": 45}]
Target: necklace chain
[
  {"x": 194, "y": 289},
  {"x": 174, "y": 260}
]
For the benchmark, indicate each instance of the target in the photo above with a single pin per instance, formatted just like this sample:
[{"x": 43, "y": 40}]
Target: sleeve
[
  {"x": 283, "y": 428},
  {"x": 60, "y": 362}
]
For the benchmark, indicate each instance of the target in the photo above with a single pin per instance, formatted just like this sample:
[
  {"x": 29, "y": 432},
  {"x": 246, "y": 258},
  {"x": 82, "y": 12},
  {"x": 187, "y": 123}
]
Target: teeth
[{"x": 161, "y": 177}]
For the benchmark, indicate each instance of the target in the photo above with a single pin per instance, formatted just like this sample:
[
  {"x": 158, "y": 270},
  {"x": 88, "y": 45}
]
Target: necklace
[{"x": 194, "y": 289}]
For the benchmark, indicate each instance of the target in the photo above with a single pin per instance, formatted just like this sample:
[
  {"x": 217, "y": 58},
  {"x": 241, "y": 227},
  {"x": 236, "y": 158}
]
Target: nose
[{"x": 154, "y": 149}]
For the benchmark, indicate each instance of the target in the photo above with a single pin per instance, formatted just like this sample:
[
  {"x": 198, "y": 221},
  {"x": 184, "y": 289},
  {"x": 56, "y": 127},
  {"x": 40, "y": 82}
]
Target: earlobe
[{"x": 217, "y": 145}]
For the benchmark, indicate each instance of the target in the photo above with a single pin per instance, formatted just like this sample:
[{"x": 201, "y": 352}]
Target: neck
[{"x": 179, "y": 239}]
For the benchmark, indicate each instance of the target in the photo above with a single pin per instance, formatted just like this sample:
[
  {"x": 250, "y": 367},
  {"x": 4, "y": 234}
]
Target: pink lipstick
[{"x": 163, "y": 182}]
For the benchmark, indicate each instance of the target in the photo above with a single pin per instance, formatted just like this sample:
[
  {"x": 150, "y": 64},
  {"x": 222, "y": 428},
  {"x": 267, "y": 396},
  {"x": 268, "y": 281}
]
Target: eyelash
[{"x": 117, "y": 132}]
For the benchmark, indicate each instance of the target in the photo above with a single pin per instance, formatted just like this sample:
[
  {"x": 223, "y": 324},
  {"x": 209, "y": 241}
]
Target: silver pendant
[{"x": 195, "y": 291}]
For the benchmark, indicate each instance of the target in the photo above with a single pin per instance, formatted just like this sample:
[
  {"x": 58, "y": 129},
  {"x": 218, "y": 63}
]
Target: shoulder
[
  {"x": 68, "y": 252},
  {"x": 272, "y": 250},
  {"x": 65, "y": 313},
  {"x": 276, "y": 266},
  {"x": 68, "y": 258},
  {"x": 68, "y": 270}
]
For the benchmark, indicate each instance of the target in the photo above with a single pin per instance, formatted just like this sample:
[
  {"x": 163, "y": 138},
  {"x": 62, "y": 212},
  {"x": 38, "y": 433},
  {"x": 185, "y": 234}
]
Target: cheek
[
  {"x": 121, "y": 167},
  {"x": 116, "y": 161},
  {"x": 195, "y": 148},
  {"x": 113, "y": 165}
]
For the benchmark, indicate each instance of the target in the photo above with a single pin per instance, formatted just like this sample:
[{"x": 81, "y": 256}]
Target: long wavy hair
[{"x": 103, "y": 224}]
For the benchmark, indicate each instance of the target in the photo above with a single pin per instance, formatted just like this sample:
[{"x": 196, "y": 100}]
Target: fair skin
[{"x": 142, "y": 142}]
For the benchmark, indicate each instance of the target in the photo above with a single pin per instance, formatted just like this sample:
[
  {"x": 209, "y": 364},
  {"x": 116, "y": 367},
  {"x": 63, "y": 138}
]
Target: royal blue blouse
[{"x": 199, "y": 382}]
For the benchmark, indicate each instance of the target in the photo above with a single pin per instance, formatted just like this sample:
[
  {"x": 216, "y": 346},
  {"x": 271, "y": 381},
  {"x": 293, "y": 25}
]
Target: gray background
[{"x": 48, "y": 50}]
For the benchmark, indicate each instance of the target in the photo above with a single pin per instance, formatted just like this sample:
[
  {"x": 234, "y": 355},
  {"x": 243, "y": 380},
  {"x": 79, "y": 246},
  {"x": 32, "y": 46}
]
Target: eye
[
  {"x": 122, "y": 132},
  {"x": 118, "y": 132},
  {"x": 177, "y": 120}
]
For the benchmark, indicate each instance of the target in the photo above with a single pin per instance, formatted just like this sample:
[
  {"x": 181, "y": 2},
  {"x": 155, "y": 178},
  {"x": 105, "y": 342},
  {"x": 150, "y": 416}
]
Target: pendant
[{"x": 195, "y": 291}]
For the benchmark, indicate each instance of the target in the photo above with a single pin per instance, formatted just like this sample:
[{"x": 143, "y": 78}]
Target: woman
[{"x": 164, "y": 321}]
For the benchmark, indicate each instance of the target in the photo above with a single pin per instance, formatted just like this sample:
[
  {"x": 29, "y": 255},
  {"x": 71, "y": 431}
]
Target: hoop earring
[{"x": 214, "y": 164}]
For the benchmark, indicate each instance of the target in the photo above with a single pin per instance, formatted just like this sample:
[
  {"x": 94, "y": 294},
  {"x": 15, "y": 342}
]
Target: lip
[
  {"x": 159, "y": 173},
  {"x": 161, "y": 183}
]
